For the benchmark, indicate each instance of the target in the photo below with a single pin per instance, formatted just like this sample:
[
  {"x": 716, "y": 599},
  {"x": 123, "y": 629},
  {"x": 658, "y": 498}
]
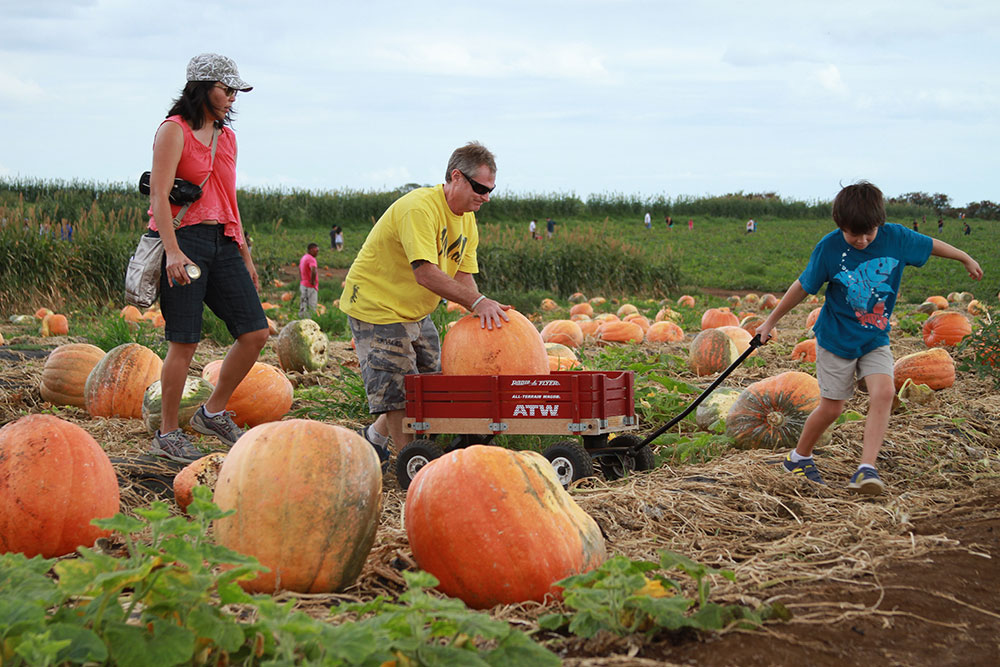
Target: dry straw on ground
[{"x": 738, "y": 512}]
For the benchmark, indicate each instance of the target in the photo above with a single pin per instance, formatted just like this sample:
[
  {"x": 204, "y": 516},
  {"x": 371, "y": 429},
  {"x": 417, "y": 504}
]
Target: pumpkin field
[{"x": 706, "y": 553}]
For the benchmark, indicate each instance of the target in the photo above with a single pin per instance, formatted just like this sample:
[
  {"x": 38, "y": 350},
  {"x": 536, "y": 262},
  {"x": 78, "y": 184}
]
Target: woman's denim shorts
[{"x": 224, "y": 286}]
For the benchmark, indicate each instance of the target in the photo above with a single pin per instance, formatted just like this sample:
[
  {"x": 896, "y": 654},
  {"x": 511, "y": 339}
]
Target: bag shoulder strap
[{"x": 211, "y": 165}]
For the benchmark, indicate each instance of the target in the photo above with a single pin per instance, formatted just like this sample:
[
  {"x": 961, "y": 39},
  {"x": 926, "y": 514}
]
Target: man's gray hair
[{"x": 470, "y": 158}]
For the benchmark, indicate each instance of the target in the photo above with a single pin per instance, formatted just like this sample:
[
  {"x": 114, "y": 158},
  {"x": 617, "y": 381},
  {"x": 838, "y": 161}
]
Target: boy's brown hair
[{"x": 859, "y": 208}]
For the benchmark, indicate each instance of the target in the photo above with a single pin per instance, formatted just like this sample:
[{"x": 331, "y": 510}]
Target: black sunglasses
[{"x": 477, "y": 187}]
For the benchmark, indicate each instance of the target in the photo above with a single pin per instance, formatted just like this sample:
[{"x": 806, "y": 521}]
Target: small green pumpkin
[
  {"x": 302, "y": 346},
  {"x": 196, "y": 391}
]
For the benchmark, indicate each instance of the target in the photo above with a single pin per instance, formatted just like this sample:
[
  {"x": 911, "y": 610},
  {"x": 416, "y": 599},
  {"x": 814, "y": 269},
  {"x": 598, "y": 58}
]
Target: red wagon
[{"x": 590, "y": 405}]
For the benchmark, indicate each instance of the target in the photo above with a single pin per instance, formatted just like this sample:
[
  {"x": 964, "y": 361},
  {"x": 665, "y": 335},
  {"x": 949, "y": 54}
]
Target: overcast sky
[{"x": 583, "y": 96}]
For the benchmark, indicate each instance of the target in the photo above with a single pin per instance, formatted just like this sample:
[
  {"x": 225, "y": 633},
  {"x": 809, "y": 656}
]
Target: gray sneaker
[
  {"x": 221, "y": 426},
  {"x": 175, "y": 446}
]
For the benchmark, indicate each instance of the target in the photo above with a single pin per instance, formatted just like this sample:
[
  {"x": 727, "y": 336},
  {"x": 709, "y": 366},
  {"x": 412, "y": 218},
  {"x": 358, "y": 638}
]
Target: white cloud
[
  {"x": 829, "y": 78},
  {"x": 18, "y": 90},
  {"x": 390, "y": 177},
  {"x": 500, "y": 59}
]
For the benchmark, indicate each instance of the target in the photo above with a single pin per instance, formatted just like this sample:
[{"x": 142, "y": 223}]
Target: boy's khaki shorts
[
  {"x": 838, "y": 376},
  {"x": 388, "y": 352}
]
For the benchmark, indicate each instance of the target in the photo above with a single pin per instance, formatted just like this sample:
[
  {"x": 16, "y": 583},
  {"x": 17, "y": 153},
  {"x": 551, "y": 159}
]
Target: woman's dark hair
[{"x": 191, "y": 104}]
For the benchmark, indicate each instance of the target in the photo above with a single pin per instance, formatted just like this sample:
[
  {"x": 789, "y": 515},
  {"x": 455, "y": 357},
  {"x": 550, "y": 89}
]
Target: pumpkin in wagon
[{"x": 516, "y": 348}]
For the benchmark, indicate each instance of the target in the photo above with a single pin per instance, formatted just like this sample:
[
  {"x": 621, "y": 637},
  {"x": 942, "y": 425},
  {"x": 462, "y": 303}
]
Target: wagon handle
[{"x": 755, "y": 342}]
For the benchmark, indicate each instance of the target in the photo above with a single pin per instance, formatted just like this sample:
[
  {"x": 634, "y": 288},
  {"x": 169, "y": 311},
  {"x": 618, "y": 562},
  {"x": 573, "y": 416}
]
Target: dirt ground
[
  {"x": 909, "y": 578},
  {"x": 940, "y": 609}
]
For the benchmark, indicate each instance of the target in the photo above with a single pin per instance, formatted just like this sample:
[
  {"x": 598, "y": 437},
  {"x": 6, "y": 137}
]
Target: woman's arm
[{"x": 167, "y": 148}]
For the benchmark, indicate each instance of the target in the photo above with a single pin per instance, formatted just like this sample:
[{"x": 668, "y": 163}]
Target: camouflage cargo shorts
[{"x": 387, "y": 352}]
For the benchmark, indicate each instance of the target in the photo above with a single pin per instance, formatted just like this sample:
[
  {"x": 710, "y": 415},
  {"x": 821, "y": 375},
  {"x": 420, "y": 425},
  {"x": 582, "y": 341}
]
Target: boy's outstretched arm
[
  {"x": 948, "y": 251},
  {"x": 793, "y": 296}
]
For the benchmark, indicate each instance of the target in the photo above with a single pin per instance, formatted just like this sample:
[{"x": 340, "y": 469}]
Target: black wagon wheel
[
  {"x": 570, "y": 460},
  {"x": 616, "y": 465},
  {"x": 413, "y": 457}
]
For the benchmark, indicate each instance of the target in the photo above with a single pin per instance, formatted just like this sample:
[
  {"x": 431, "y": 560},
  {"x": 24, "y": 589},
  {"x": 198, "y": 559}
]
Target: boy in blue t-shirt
[{"x": 862, "y": 263}]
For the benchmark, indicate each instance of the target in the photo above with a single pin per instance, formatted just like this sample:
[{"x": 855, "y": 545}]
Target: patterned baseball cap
[{"x": 213, "y": 67}]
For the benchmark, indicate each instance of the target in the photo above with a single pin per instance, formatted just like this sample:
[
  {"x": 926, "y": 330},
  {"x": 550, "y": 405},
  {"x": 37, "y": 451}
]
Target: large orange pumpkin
[
  {"x": 750, "y": 323},
  {"x": 664, "y": 332},
  {"x": 718, "y": 317},
  {"x": 641, "y": 320},
  {"x": 620, "y": 332},
  {"x": 711, "y": 351},
  {"x": 54, "y": 324},
  {"x": 203, "y": 472},
  {"x": 768, "y": 301},
  {"x": 934, "y": 368},
  {"x": 938, "y": 301},
  {"x": 590, "y": 327},
  {"x": 549, "y": 305},
  {"x": 582, "y": 309},
  {"x": 946, "y": 328},
  {"x": 813, "y": 316},
  {"x": 54, "y": 479},
  {"x": 566, "y": 332},
  {"x": 131, "y": 314},
  {"x": 667, "y": 313},
  {"x": 307, "y": 497},
  {"x": 264, "y": 395},
  {"x": 65, "y": 373},
  {"x": 626, "y": 309},
  {"x": 741, "y": 337},
  {"x": 686, "y": 300},
  {"x": 495, "y": 526},
  {"x": 516, "y": 348},
  {"x": 805, "y": 350},
  {"x": 770, "y": 414},
  {"x": 116, "y": 385}
]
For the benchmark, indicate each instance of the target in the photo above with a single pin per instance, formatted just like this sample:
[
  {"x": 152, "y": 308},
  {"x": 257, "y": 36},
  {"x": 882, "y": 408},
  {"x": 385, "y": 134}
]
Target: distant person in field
[
  {"x": 966, "y": 229},
  {"x": 648, "y": 221},
  {"x": 916, "y": 226},
  {"x": 751, "y": 226},
  {"x": 533, "y": 230},
  {"x": 336, "y": 238},
  {"x": 308, "y": 281},
  {"x": 423, "y": 249},
  {"x": 690, "y": 224},
  {"x": 861, "y": 263},
  {"x": 940, "y": 225},
  {"x": 211, "y": 237},
  {"x": 668, "y": 222},
  {"x": 550, "y": 227}
]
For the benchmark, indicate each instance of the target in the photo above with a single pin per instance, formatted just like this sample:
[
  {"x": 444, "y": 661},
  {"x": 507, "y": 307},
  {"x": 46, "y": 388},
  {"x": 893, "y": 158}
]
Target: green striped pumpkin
[
  {"x": 711, "y": 351},
  {"x": 770, "y": 414}
]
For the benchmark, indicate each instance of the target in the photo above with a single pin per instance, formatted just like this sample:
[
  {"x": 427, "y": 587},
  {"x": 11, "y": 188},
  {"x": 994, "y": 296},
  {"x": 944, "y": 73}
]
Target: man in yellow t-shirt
[{"x": 422, "y": 250}]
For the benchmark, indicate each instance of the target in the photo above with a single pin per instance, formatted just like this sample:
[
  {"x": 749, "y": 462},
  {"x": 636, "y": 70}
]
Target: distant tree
[
  {"x": 984, "y": 210},
  {"x": 941, "y": 201}
]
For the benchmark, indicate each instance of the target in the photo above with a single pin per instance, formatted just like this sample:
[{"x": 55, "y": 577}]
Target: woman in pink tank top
[{"x": 206, "y": 258}]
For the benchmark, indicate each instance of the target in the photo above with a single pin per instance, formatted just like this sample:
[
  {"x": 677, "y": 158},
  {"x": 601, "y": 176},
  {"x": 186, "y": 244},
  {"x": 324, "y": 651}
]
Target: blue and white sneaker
[
  {"x": 806, "y": 468},
  {"x": 866, "y": 482}
]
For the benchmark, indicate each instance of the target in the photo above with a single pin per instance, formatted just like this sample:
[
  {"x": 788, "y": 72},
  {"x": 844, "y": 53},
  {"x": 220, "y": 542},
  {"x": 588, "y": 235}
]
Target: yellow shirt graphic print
[{"x": 380, "y": 287}]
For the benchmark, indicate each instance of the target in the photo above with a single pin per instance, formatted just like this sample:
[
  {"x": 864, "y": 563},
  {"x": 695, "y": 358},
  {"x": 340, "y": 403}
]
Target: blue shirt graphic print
[
  {"x": 868, "y": 289},
  {"x": 861, "y": 286}
]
